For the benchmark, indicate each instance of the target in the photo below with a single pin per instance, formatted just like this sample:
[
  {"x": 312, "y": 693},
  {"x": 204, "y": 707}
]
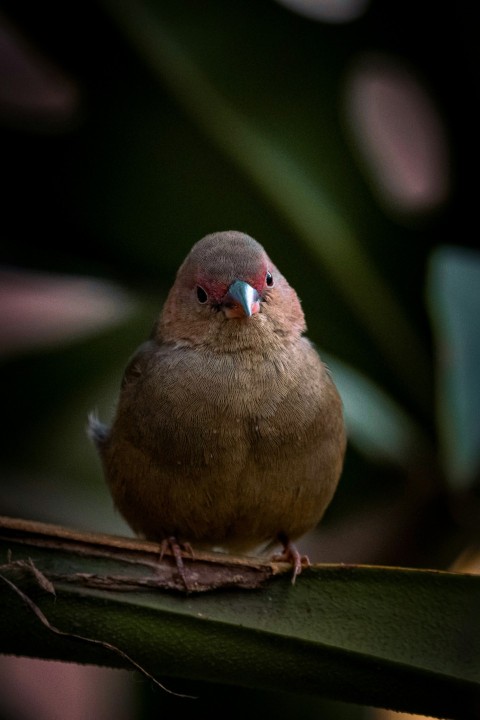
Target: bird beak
[{"x": 241, "y": 300}]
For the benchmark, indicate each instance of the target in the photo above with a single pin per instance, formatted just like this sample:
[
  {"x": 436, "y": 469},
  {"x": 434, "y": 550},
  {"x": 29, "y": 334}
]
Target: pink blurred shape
[
  {"x": 44, "y": 309},
  {"x": 398, "y": 134}
]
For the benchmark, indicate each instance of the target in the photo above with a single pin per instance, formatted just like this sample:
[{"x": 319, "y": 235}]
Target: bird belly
[
  {"x": 223, "y": 490},
  {"x": 225, "y": 461}
]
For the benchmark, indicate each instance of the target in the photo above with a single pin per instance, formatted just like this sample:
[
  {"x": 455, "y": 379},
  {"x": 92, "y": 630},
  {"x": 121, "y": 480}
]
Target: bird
[{"x": 228, "y": 434}]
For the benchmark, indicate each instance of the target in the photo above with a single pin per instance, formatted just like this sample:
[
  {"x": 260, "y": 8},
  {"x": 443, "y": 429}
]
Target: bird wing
[{"x": 136, "y": 364}]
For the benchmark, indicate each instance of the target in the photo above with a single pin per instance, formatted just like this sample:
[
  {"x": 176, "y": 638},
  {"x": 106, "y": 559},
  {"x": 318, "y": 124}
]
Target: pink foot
[
  {"x": 176, "y": 549},
  {"x": 290, "y": 554}
]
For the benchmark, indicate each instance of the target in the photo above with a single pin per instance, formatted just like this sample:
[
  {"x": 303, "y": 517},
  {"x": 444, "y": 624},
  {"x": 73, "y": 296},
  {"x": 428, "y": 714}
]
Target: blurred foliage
[{"x": 129, "y": 130}]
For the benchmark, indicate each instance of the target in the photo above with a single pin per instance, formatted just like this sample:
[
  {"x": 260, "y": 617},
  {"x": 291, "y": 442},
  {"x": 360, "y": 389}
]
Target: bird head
[{"x": 228, "y": 288}]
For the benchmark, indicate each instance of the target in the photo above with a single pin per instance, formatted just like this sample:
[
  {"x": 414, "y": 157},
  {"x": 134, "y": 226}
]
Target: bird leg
[
  {"x": 290, "y": 554},
  {"x": 175, "y": 548}
]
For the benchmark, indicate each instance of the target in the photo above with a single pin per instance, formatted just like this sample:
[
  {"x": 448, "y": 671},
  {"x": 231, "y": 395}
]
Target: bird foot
[
  {"x": 290, "y": 554},
  {"x": 177, "y": 549}
]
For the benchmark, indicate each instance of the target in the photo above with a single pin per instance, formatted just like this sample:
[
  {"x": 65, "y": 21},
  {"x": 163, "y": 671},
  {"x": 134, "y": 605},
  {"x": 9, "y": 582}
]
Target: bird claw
[
  {"x": 176, "y": 548},
  {"x": 290, "y": 554}
]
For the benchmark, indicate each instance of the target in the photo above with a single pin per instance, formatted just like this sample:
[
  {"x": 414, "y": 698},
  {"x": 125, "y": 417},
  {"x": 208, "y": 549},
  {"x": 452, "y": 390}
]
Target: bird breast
[{"x": 206, "y": 403}]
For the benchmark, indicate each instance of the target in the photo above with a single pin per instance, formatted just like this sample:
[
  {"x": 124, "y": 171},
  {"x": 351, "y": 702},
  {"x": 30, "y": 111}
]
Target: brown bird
[{"x": 229, "y": 431}]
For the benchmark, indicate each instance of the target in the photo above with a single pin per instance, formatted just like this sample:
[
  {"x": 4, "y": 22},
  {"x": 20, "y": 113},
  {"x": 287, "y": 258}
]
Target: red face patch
[{"x": 216, "y": 289}]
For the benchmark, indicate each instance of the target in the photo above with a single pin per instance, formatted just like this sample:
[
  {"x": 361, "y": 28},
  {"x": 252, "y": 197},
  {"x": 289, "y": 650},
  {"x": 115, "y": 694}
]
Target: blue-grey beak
[{"x": 241, "y": 300}]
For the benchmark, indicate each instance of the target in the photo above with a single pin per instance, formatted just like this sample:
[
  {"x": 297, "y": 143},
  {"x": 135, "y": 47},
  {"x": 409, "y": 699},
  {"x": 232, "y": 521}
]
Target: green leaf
[
  {"x": 454, "y": 302},
  {"x": 406, "y": 639}
]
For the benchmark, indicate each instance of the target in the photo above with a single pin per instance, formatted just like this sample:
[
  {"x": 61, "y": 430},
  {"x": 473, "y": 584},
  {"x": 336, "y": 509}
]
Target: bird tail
[{"x": 97, "y": 431}]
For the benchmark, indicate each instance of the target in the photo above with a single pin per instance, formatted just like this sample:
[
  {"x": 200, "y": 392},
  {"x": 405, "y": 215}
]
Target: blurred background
[{"x": 342, "y": 136}]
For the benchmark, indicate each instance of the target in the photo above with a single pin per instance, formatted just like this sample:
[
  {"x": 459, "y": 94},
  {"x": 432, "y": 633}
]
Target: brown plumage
[{"x": 229, "y": 431}]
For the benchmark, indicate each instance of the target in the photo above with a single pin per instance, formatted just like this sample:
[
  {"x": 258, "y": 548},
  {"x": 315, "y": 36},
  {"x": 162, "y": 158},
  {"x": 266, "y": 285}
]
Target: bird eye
[
  {"x": 202, "y": 296},
  {"x": 269, "y": 279}
]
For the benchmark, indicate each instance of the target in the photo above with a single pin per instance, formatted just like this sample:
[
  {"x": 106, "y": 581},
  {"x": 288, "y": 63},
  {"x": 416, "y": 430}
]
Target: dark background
[{"x": 115, "y": 161}]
